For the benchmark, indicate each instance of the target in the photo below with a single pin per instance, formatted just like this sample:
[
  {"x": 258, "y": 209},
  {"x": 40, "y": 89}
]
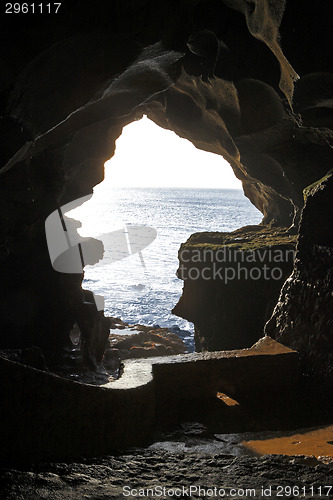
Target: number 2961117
[{"x": 32, "y": 8}]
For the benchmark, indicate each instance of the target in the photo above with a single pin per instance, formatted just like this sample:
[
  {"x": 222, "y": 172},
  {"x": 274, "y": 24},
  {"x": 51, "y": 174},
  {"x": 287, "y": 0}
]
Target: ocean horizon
[{"x": 146, "y": 294}]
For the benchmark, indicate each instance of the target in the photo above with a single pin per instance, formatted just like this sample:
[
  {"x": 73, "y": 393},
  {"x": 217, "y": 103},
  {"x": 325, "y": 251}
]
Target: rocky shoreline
[
  {"x": 125, "y": 341},
  {"x": 141, "y": 341}
]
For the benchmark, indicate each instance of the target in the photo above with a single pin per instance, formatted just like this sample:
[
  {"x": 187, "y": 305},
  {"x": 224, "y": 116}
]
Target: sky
[{"x": 149, "y": 156}]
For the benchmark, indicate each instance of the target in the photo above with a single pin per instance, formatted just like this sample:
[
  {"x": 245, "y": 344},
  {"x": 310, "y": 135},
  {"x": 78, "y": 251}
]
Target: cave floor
[
  {"x": 128, "y": 475},
  {"x": 184, "y": 458},
  {"x": 207, "y": 453},
  {"x": 277, "y": 446}
]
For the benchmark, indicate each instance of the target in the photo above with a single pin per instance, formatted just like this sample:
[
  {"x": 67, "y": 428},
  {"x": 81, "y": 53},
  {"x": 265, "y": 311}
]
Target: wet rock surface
[
  {"x": 132, "y": 341},
  {"x": 140, "y": 341},
  {"x": 260, "y": 396},
  {"x": 111, "y": 477}
]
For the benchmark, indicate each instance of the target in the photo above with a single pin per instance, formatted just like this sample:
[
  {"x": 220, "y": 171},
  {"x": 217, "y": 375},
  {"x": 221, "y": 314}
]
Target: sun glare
[{"x": 150, "y": 156}]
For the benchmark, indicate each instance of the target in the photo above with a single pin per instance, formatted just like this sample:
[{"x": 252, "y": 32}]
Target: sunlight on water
[
  {"x": 147, "y": 295},
  {"x": 147, "y": 155}
]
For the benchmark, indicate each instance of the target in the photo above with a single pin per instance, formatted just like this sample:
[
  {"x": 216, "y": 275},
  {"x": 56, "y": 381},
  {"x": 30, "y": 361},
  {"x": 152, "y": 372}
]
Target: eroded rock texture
[
  {"x": 211, "y": 70},
  {"x": 303, "y": 317}
]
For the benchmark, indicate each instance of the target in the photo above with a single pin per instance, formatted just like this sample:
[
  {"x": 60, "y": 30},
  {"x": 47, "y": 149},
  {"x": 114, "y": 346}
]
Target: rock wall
[
  {"x": 213, "y": 71},
  {"x": 303, "y": 315}
]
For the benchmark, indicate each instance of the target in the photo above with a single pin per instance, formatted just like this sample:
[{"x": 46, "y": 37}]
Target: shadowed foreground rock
[
  {"x": 45, "y": 417},
  {"x": 167, "y": 472}
]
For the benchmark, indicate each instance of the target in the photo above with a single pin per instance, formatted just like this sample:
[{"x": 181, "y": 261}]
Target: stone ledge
[{"x": 45, "y": 417}]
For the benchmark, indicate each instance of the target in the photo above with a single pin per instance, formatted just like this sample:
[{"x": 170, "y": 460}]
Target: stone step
[{"x": 46, "y": 417}]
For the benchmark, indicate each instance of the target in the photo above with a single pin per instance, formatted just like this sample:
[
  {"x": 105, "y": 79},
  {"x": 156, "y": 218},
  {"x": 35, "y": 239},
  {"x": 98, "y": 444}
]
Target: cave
[
  {"x": 151, "y": 171},
  {"x": 250, "y": 81}
]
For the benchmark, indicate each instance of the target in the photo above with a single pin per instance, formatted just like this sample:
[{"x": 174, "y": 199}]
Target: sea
[{"x": 144, "y": 289}]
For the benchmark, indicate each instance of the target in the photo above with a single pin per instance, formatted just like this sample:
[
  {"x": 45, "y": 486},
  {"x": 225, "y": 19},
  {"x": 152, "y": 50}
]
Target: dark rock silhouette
[
  {"x": 303, "y": 315},
  {"x": 214, "y": 72}
]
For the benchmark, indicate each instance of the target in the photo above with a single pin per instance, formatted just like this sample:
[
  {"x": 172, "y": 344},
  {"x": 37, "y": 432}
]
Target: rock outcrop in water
[
  {"x": 232, "y": 283},
  {"x": 212, "y": 71},
  {"x": 141, "y": 341}
]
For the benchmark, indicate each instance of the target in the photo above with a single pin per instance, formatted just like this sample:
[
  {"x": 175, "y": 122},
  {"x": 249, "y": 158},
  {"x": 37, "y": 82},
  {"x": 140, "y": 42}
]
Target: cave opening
[
  {"x": 208, "y": 70},
  {"x": 160, "y": 180}
]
